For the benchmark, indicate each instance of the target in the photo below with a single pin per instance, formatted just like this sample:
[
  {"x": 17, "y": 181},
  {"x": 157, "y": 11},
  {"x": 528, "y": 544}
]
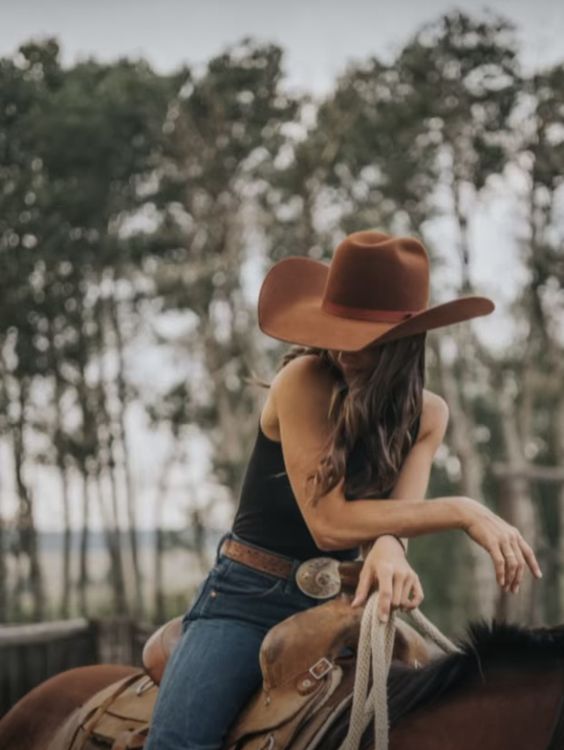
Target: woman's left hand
[{"x": 386, "y": 565}]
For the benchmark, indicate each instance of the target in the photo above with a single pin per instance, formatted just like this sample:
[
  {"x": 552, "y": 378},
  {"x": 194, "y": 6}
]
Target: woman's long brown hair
[{"x": 373, "y": 413}]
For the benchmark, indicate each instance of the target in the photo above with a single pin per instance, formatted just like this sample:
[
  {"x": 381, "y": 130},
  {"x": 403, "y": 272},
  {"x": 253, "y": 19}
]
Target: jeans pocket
[
  {"x": 201, "y": 596},
  {"x": 241, "y": 581}
]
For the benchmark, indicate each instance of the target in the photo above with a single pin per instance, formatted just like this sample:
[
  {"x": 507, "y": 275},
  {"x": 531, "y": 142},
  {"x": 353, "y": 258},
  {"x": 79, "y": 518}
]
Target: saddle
[
  {"x": 308, "y": 664},
  {"x": 307, "y": 661},
  {"x": 410, "y": 647}
]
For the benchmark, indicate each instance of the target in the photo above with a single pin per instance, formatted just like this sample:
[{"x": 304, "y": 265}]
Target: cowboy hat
[{"x": 375, "y": 289}]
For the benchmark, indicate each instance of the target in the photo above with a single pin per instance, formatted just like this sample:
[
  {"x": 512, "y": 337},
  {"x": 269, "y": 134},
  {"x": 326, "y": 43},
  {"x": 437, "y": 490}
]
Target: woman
[{"x": 347, "y": 419}]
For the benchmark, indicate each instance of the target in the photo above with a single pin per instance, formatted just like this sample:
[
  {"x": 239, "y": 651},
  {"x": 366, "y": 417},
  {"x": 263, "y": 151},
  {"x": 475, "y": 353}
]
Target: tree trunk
[
  {"x": 105, "y": 429},
  {"x": 4, "y": 612},
  {"x": 111, "y": 534},
  {"x": 559, "y": 439},
  {"x": 64, "y": 606},
  {"x": 26, "y": 523},
  {"x": 94, "y": 424},
  {"x": 3, "y": 565},
  {"x": 138, "y": 604},
  {"x": 84, "y": 577},
  {"x": 159, "y": 551},
  {"x": 59, "y": 445}
]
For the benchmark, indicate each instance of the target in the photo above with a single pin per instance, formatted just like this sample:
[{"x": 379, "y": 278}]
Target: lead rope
[{"x": 375, "y": 647}]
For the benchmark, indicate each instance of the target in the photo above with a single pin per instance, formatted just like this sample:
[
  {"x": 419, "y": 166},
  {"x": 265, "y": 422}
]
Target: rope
[{"x": 375, "y": 646}]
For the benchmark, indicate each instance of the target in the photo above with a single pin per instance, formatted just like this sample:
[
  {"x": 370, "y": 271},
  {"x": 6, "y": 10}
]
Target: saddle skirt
[{"x": 308, "y": 665}]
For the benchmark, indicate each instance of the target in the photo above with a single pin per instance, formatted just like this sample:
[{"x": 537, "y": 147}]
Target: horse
[
  {"x": 31, "y": 723},
  {"x": 504, "y": 689}
]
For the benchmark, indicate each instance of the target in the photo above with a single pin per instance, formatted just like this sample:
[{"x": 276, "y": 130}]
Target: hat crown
[
  {"x": 376, "y": 289},
  {"x": 374, "y": 271}
]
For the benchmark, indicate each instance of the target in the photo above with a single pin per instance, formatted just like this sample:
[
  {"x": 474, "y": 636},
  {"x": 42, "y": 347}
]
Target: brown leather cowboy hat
[{"x": 376, "y": 288}]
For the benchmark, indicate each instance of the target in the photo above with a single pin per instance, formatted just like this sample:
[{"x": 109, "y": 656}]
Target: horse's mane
[{"x": 483, "y": 646}]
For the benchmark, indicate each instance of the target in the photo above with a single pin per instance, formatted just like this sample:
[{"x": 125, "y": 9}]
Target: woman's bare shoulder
[
  {"x": 302, "y": 374},
  {"x": 301, "y": 382},
  {"x": 434, "y": 416},
  {"x": 293, "y": 385}
]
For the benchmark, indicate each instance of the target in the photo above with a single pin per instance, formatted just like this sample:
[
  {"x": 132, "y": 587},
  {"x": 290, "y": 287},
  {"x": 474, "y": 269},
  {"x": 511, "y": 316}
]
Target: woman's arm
[
  {"x": 301, "y": 394},
  {"x": 341, "y": 524}
]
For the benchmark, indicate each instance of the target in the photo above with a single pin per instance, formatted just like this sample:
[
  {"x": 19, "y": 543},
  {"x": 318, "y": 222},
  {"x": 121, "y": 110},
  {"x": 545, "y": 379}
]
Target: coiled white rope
[{"x": 375, "y": 646}]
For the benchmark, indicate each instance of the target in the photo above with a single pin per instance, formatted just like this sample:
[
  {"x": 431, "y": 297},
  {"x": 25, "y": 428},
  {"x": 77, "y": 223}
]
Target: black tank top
[{"x": 268, "y": 513}]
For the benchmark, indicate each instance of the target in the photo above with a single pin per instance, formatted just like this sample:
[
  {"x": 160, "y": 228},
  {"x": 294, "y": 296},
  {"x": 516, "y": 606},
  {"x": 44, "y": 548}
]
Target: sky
[{"x": 319, "y": 38}]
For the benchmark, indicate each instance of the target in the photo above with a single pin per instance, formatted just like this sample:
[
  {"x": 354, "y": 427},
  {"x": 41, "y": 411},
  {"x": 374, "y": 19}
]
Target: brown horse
[
  {"x": 504, "y": 691},
  {"x": 33, "y": 720}
]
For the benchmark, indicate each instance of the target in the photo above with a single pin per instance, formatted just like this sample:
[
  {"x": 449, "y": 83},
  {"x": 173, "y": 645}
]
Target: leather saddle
[
  {"x": 409, "y": 646},
  {"x": 307, "y": 662},
  {"x": 308, "y": 666}
]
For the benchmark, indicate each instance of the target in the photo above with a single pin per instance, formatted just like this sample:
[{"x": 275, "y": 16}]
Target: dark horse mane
[{"x": 483, "y": 647}]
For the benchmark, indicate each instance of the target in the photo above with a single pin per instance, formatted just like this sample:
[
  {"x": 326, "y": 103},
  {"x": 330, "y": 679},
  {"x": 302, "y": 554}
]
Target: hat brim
[{"x": 289, "y": 309}]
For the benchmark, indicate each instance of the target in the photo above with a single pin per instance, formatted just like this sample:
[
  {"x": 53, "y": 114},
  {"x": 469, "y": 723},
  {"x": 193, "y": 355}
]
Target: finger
[
  {"x": 417, "y": 590},
  {"x": 530, "y": 557},
  {"x": 385, "y": 590},
  {"x": 397, "y": 591},
  {"x": 510, "y": 563},
  {"x": 362, "y": 589},
  {"x": 418, "y": 594},
  {"x": 408, "y": 588},
  {"x": 521, "y": 565},
  {"x": 499, "y": 563}
]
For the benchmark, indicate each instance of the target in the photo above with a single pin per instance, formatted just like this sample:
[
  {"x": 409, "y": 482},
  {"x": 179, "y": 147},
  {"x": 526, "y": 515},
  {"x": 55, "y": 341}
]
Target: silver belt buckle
[{"x": 319, "y": 577}]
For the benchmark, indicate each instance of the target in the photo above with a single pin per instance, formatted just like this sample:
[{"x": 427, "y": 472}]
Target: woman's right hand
[{"x": 504, "y": 543}]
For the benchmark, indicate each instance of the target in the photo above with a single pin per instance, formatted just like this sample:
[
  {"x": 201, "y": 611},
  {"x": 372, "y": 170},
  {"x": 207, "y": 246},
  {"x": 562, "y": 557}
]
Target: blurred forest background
[{"x": 134, "y": 208}]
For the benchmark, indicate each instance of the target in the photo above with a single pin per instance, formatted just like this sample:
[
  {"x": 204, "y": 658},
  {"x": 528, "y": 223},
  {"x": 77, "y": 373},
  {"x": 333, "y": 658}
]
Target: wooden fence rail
[{"x": 31, "y": 653}]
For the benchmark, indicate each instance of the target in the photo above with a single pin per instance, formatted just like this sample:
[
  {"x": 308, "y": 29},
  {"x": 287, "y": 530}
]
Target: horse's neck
[{"x": 506, "y": 708}]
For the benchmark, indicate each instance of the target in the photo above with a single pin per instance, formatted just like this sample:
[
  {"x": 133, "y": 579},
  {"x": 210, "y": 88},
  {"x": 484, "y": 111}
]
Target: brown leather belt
[{"x": 320, "y": 577}]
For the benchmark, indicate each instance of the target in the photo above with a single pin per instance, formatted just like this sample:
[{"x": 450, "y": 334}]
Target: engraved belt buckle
[{"x": 319, "y": 577}]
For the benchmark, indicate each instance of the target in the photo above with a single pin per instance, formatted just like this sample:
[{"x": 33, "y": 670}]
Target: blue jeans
[{"x": 214, "y": 669}]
